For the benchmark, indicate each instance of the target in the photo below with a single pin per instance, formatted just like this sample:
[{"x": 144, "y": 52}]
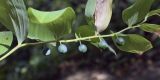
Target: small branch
[
  {"x": 10, "y": 52},
  {"x": 80, "y": 39},
  {"x": 96, "y": 36},
  {"x": 38, "y": 43},
  {"x": 63, "y": 41}
]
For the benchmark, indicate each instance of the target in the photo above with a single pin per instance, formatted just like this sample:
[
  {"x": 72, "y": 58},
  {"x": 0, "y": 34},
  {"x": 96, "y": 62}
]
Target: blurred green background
[{"x": 30, "y": 63}]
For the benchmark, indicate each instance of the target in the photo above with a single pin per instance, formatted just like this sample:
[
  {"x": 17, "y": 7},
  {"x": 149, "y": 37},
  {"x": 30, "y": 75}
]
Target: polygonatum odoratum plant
[{"x": 55, "y": 29}]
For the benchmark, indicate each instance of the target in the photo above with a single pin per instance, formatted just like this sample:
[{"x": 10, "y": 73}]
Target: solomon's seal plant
[{"x": 51, "y": 27}]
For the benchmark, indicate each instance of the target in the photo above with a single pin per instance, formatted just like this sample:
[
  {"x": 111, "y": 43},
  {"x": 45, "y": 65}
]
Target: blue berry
[
  {"x": 46, "y": 51},
  {"x": 103, "y": 44},
  {"x": 82, "y": 48},
  {"x": 62, "y": 48},
  {"x": 120, "y": 41}
]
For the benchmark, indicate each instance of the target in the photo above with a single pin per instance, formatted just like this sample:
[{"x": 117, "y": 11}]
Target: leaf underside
[
  {"x": 46, "y": 26},
  {"x": 14, "y": 17}
]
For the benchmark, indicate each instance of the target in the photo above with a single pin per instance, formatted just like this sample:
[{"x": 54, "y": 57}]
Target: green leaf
[
  {"x": 136, "y": 11},
  {"x": 85, "y": 31},
  {"x": 150, "y": 27},
  {"x": 90, "y": 8},
  {"x": 14, "y": 17},
  {"x": 46, "y": 26},
  {"x": 4, "y": 17},
  {"x": 6, "y": 39},
  {"x": 133, "y": 19},
  {"x": 134, "y": 43},
  {"x": 152, "y": 13},
  {"x": 112, "y": 50},
  {"x": 90, "y": 11}
]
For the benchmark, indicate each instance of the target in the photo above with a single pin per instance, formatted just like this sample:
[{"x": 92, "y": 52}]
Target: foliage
[
  {"x": 47, "y": 26},
  {"x": 14, "y": 17},
  {"x": 5, "y": 41},
  {"x": 52, "y": 27}
]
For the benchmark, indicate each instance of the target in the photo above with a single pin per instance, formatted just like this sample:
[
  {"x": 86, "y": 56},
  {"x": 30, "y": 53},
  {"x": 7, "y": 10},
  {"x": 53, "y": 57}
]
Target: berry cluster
[{"x": 62, "y": 48}]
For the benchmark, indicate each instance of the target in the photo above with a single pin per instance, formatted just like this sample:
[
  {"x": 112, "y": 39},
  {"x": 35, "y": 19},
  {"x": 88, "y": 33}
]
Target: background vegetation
[{"x": 30, "y": 63}]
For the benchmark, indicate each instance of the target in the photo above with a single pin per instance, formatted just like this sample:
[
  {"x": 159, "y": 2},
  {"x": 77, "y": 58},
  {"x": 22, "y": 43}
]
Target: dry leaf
[{"x": 103, "y": 14}]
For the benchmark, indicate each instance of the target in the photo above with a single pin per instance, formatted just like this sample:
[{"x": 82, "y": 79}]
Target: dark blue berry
[
  {"x": 82, "y": 48},
  {"x": 46, "y": 51},
  {"x": 120, "y": 41},
  {"x": 62, "y": 48},
  {"x": 103, "y": 44}
]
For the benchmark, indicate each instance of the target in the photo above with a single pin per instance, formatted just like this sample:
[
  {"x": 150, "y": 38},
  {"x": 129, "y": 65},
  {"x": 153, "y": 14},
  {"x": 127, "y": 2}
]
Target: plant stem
[
  {"x": 96, "y": 36},
  {"x": 63, "y": 41},
  {"x": 81, "y": 39},
  {"x": 10, "y": 52},
  {"x": 37, "y": 43}
]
